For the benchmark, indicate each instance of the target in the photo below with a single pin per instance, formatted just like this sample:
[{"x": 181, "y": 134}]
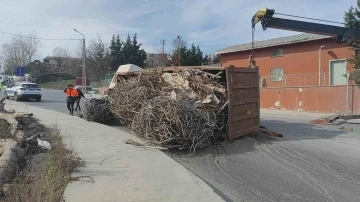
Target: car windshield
[{"x": 30, "y": 86}]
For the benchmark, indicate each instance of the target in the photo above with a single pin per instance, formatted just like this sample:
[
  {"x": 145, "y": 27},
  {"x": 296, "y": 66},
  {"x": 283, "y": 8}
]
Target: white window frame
[
  {"x": 278, "y": 75},
  {"x": 329, "y": 79},
  {"x": 277, "y": 53}
]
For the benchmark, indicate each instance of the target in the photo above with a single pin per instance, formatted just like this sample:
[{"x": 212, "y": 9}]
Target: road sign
[{"x": 19, "y": 71}]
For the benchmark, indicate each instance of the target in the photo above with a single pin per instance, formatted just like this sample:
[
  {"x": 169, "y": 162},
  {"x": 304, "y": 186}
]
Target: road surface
[
  {"x": 54, "y": 100},
  {"x": 310, "y": 163}
]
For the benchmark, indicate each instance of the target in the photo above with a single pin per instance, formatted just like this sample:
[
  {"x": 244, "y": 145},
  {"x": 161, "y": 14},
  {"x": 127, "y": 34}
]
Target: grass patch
[
  {"x": 43, "y": 175},
  {"x": 63, "y": 84}
]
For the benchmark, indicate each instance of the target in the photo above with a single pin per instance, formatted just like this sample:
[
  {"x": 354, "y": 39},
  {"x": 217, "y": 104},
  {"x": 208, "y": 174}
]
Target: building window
[
  {"x": 277, "y": 74},
  {"x": 277, "y": 53}
]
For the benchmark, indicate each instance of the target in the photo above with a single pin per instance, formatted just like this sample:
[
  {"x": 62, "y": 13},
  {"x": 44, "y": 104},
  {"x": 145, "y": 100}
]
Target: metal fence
[
  {"x": 302, "y": 79},
  {"x": 104, "y": 82},
  {"x": 316, "y": 92}
]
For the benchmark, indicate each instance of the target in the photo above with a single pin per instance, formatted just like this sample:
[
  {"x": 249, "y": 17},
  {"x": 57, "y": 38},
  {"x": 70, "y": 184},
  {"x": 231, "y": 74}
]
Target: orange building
[
  {"x": 294, "y": 60},
  {"x": 289, "y": 70}
]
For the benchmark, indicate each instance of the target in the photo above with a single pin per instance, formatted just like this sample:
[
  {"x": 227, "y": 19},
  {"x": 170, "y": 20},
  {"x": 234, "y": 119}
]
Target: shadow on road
[
  {"x": 291, "y": 131},
  {"x": 44, "y": 101}
]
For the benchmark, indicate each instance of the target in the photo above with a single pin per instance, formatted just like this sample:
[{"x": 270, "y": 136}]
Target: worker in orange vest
[{"x": 71, "y": 94}]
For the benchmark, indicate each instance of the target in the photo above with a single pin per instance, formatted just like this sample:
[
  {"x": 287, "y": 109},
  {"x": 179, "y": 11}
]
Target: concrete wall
[{"x": 329, "y": 99}]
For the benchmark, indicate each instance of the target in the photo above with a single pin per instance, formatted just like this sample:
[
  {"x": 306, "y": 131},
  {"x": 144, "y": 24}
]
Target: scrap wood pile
[
  {"x": 183, "y": 108},
  {"x": 97, "y": 110}
]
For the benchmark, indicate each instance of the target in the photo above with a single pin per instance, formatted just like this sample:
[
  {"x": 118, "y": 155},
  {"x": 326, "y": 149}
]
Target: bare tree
[
  {"x": 98, "y": 59},
  {"x": 19, "y": 51},
  {"x": 61, "y": 56},
  {"x": 179, "y": 43},
  {"x": 28, "y": 44}
]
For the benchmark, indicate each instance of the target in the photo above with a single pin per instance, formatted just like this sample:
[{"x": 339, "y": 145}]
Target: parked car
[{"x": 23, "y": 90}]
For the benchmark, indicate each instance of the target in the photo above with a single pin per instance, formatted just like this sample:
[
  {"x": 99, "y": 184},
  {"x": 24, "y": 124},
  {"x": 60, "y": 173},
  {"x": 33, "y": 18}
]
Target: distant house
[
  {"x": 155, "y": 60},
  {"x": 60, "y": 61}
]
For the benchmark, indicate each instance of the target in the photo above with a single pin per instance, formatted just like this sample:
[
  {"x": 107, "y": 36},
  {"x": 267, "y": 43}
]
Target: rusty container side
[{"x": 244, "y": 101}]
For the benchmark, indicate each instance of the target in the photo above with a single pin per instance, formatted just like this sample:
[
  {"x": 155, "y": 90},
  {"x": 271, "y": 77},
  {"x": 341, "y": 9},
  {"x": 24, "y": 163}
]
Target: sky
[{"x": 211, "y": 24}]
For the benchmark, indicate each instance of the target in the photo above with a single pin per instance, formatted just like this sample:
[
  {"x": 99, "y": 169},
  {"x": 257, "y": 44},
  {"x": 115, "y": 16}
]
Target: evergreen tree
[
  {"x": 183, "y": 56},
  {"x": 352, "y": 19},
  {"x": 116, "y": 55},
  {"x": 127, "y": 50},
  {"x": 199, "y": 56},
  {"x": 132, "y": 52},
  {"x": 189, "y": 57}
]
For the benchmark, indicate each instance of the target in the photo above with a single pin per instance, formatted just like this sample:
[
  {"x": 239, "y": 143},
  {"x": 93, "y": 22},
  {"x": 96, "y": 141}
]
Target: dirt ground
[
  {"x": 42, "y": 175},
  {"x": 4, "y": 130}
]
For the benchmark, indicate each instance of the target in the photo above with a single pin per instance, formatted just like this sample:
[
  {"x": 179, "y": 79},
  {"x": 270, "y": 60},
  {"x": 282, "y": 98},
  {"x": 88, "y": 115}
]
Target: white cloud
[{"x": 212, "y": 24}]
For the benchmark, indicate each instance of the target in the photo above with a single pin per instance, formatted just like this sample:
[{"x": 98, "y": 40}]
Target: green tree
[
  {"x": 352, "y": 19},
  {"x": 132, "y": 52},
  {"x": 199, "y": 56},
  {"x": 116, "y": 54},
  {"x": 188, "y": 57}
]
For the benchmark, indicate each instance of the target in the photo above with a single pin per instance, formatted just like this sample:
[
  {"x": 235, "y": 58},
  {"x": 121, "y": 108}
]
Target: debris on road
[
  {"x": 266, "y": 131},
  {"x": 344, "y": 128},
  {"x": 183, "y": 108},
  {"x": 97, "y": 110}
]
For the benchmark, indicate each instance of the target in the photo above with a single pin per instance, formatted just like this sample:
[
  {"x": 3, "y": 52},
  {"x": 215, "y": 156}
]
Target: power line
[
  {"x": 39, "y": 38},
  {"x": 309, "y": 18}
]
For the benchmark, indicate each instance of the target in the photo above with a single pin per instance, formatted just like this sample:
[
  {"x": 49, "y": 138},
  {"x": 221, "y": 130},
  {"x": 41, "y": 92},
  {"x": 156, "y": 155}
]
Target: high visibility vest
[{"x": 71, "y": 92}]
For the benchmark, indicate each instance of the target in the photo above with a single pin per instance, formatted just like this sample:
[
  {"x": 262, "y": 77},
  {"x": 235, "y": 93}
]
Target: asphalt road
[
  {"x": 310, "y": 163},
  {"x": 54, "y": 100}
]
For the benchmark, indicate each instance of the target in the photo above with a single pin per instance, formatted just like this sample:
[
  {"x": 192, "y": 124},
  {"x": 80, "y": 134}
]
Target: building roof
[
  {"x": 55, "y": 58},
  {"x": 273, "y": 42}
]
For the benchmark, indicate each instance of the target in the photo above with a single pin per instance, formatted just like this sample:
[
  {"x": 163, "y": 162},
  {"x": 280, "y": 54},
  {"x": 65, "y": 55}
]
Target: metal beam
[{"x": 342, "y": 33}]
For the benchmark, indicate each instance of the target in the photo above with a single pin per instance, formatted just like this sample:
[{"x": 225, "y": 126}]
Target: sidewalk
[
  {"x": 89, "y": 96},
  {"x": 121, "y": 172},
  {"x": 289, "y": 113}
]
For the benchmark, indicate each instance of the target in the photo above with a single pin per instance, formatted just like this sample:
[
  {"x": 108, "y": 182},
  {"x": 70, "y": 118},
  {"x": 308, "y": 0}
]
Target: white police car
[{"x": 23, "y": 90}]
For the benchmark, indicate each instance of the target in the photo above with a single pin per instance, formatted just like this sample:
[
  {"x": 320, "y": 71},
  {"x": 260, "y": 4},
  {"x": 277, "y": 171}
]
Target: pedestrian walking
[
  {"x": 71, "y": 94},
  {"x": 78, "y": 98}
]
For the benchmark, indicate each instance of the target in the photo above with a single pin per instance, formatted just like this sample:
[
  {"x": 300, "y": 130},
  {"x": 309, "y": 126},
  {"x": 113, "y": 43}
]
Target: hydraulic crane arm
[{"x": 342, "y": 34}]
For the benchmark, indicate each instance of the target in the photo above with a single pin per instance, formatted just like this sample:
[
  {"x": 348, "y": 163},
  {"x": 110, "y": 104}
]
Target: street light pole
[
  {"x": 320, "y": 63},
  {"x": 84, "y": 62},
  {"x": 179, "y": 38}
]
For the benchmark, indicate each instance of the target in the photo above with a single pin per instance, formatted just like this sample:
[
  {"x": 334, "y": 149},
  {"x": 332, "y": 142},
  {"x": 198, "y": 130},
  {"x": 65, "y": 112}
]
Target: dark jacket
[{"x": 80, "y": 94}]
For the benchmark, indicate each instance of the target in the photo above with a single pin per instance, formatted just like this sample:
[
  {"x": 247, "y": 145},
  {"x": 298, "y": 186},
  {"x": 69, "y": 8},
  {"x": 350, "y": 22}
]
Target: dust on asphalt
[{"x": 311, "y": 163}]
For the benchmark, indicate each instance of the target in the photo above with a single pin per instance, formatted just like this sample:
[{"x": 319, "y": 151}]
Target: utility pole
[
  {"x": 179, "y": 38},
  {"x": 163, "y": 58},
  {"x": 84, "y": 62},
  {"x": 163, "y": 45}
]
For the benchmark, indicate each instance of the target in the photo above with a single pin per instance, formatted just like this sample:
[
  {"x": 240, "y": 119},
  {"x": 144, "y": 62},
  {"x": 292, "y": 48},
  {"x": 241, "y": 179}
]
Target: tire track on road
[
  {"x": 263, "y": 148},
  {"x": 316, "y": 164}
]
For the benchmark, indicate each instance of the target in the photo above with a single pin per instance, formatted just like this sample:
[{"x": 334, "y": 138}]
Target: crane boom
[{"x": 342, "y": 34}]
